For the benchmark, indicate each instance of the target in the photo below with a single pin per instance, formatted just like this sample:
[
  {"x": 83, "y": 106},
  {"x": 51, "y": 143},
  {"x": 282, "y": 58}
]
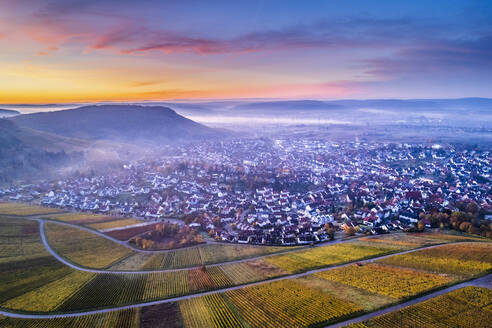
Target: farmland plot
[
  {"x": 84, "y": 248},
  {"x": 120, "y": 319},
  {"x": 21, "y": 209},
  {"x": 465, "y": 260},
  {"x": 465, "y": 307},
  {"x": 397, "y": 283},
  {"x": 326, "y": 256},
  {"x": 288, "y": 303},
  {"x": 49, "y": 296}
]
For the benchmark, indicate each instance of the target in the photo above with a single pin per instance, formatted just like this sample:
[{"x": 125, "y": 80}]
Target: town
[{"x": 287, "y": 191}]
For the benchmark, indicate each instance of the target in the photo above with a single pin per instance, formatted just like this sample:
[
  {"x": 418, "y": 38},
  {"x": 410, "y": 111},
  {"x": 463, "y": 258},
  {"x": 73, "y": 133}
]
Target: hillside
[
  {"x": 128, "y": 123},
  {"x": 25, "y": 152},
  {"x": 8, "y": 113}
]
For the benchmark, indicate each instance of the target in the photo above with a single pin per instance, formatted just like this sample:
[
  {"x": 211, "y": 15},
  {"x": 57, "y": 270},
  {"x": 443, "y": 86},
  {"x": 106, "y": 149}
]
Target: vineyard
[
  {"x": 23, "y": 275},
  {"x": 119, "y": 223},
  {"x": 244, "y": 272},
  {"x": 465, "y": 307},
  {"x": 133, "y": 262},
  {"x": 466, "y": 260},
  {"x": 288, "y": 303},
  {"x": 32, "y": 280},
  {"x": 19, "y": 239},
  {"x": 409, "y": 241},
  {"x": 50, "y": 296},
  {"x": 203, "y": 255},
  {"x": 166, "y": 315},
  {"x": 166, "y": 284},
  {"x": 84, "y": 248},
  {"x": 397, "y": 283},
  {"x": 125, "y": 234},
  {"x": 326, "y": 256},
  {"x": 25, "y": 265},
  {"x": 19, "y": 209},
  {"x": 80, "y": 218},
  {"x": 106, "y": 290},
  {"x": 123, "y": 319}
]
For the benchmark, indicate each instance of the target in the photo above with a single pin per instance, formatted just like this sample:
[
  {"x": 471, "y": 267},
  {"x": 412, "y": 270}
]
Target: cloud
[
  {"x": 451, "y": 56},
  {"x": 144, "y": 83},
  {"x": 323, "y": 34},
  {"x": 47, "y": 51}
]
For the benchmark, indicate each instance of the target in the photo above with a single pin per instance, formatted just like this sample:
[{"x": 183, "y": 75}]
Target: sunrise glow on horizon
[{"x": 89, "y": 51}]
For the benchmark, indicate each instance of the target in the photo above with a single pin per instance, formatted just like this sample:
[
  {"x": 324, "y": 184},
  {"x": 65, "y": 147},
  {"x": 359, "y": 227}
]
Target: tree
[
  {"x": 465, "y": 226},
  {"x": 350, "y": 231},
  {"x": 420, "y": 225},
  {"x": 330, "y": 231}
]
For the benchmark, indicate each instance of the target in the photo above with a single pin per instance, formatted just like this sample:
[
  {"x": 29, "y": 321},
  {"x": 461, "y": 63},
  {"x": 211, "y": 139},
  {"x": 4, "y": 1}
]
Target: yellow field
[
  {"x": 288, "y": 303},
  {"x": 413, "y": 240},
  {"x": 326, "y": 256},
  {"x": 22, "y": 209},
  {"x": 114, "y": 224},
  {"x": 465, "y": 307},
  {"x": 166, "y": 284},
  {"x": 195, "y": 313},
  {"x": 466, "y": 259},
  {"x": 50, "y": 296},
  {"x": 394, "y": 282}
]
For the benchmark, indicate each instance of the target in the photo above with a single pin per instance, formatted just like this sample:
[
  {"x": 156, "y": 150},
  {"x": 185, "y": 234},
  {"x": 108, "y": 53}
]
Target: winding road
[{"x": 109, "y": 271}]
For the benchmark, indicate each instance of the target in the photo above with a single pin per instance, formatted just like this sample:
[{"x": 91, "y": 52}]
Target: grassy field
[
  {"x": 83, "y": 247},
  {"x": 465, "y": 307}
]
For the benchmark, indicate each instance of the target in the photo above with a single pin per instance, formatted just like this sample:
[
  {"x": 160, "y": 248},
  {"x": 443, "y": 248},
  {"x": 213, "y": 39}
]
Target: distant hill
[
  {"x": 288, "y": 105},
  {"x": 348, "y": 104},
  {"x": 127, "y": 123},
  {"x": 8, "y": 113}
]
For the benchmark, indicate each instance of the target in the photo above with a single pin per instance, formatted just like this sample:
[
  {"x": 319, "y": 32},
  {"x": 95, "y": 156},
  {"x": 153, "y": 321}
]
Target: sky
[{"x": 98, "y": 50}]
